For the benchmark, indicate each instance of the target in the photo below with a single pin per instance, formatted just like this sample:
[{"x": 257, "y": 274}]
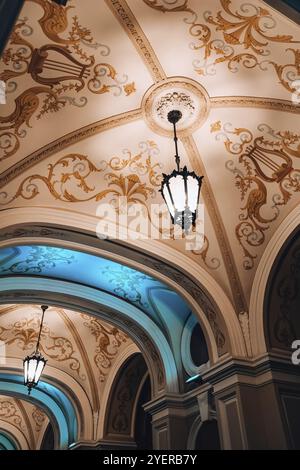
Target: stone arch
[
  {"x": 199, "y": 427},
  {"x": 143, "y": 331},
  {"x": 207, "y": 299},
  {"x": 118, "y": 365}
]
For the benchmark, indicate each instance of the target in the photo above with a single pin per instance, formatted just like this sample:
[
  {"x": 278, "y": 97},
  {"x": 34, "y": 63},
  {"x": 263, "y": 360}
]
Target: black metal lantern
[
  {"x": 35, "y": 363},
  {"x": 181, "y": 189}
]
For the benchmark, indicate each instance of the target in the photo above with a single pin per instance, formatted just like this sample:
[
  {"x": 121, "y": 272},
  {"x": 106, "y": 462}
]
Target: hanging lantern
[
  {"x": 33, "y": 368},
  {"x": 181, "y": 189},
  {"x": 35, "y": 363}
]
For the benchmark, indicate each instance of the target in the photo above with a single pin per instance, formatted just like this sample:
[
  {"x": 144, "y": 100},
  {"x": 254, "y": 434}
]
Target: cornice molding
[{"x": 253, "y": 372}]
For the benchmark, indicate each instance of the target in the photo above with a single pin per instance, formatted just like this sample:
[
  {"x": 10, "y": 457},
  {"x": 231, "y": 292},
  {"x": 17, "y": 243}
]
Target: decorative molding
[
  {"x": 39, "y": 418},
  {"x": 66, "y": 141},
  {"x": 205, "y": 403},
  {"x": 184, "y": 94},
  {"x": 244, "y": 321},
  {"x": 203, "y": 298},
  {"x": 257, "y": 325},
  {"x": 215, "y": 215},
  {"x": 109, "y": 308},
  {"x": 131, "y": 116},
  {"x": 272, "y": 104},
  {"x": 70, "y": 230},
  {"x": 130, "y": 24}
]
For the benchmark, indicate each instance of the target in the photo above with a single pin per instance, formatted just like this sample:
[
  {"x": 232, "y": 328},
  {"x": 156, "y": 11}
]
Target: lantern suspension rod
[
  {"x": 174, "y": 116},
  {"x": 44, "y": 308}
]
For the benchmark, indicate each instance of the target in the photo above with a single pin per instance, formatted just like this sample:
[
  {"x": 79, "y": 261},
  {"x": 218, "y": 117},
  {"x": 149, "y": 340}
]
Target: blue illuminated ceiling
[{"x": 145, "y": 292}]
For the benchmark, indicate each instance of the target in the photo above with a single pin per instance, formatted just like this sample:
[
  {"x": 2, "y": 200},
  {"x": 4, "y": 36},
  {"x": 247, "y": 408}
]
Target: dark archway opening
[
  {"x": 199, "y": 351},
  {"x": 48, "y": 439},
  {"x": 208, "y": 436},
  {"x": 143, "y": 427}
]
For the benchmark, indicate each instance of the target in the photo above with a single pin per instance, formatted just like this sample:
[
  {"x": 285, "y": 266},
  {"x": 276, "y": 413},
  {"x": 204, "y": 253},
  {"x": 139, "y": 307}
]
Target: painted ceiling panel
[
  {"x": 109, "y": 276},
  {"x": 100, "y": 65},
  {"x": 220, "y": 41},
  {"x": 81, "y": 353},
  {"x": 244, "y": 55},
  {"x": 29, "y": 420}
]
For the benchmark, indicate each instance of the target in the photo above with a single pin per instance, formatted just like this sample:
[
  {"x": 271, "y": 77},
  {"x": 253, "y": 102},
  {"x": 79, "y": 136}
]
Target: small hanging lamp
[{"x": 35, "y": 363}]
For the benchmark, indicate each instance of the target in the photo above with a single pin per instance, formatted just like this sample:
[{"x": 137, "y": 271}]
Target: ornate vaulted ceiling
[
  {"x": 23, "y": 420},
  {"x": 83, "y": 355},
  {"x": 83, "y": 122}
]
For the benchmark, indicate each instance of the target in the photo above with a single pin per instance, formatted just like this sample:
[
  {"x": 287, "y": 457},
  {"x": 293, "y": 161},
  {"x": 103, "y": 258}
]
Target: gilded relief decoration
[
  {"x": 39, "y": 418},
  {"x": 123, "y": 397},
  {"x": 237, "y": 37},
  {"x": 268, "y": 159},
  {"x": 62, "y": 68},
  {"x": 24, "y": 334},
  {"x": 108, "y": 342},
  {"x": 10, "y": 413},
  {"x": 39, "y": 258},
  {"x": 70, "y": 178}
]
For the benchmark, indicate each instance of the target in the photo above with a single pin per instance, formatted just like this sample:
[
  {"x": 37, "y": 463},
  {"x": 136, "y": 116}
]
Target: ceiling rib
[
  {"x": 215, "y": 216},
  {"x": 130, "y": 24},
  {"x": 65, "y": 141}
]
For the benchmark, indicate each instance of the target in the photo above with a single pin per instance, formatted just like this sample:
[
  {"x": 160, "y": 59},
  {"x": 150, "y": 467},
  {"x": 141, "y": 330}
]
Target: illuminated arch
[
  {"x": 34, "y": 223},
  {"x": 105, "y": 306}
]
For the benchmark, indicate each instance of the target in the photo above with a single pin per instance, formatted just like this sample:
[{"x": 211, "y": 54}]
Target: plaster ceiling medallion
[{"x": 183, "y": 94}]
